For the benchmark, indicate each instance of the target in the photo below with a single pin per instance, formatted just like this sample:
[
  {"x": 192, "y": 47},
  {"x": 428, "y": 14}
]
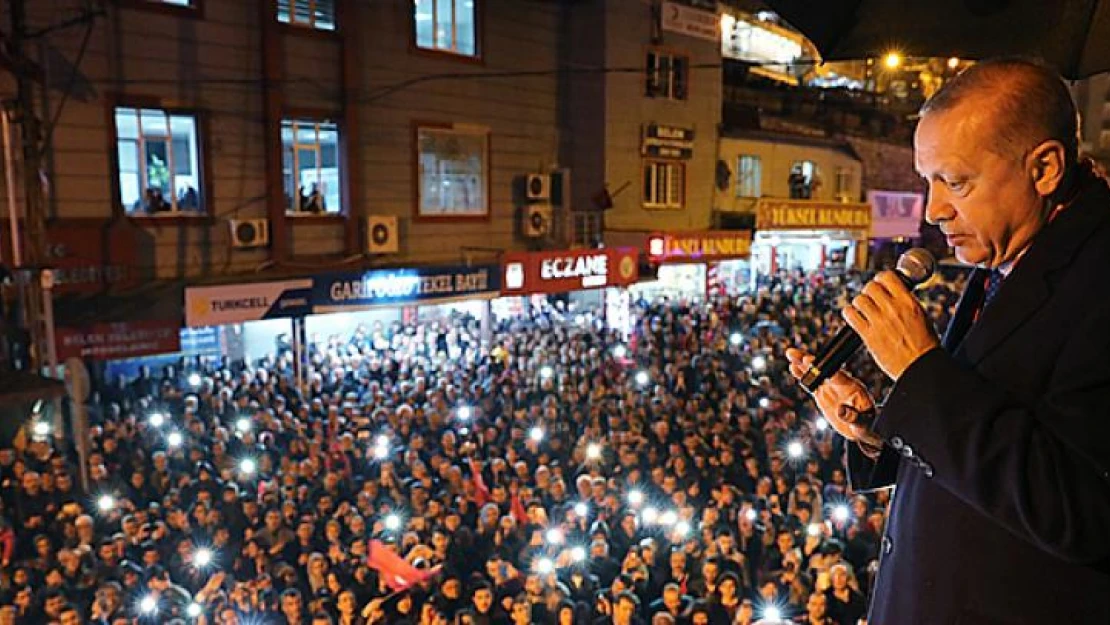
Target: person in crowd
[{"x": 423, "y": 476}]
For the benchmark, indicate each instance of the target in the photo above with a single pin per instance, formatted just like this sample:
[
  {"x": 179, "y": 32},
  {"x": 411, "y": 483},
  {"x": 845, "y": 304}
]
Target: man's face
[
  {"x": 985, "y": 203},
  {"x": 671, "y": 598},
  {"x": 817, "y": 605},
  {"x": 483, "y": 599},
  {"x": 623, "y": 611}
]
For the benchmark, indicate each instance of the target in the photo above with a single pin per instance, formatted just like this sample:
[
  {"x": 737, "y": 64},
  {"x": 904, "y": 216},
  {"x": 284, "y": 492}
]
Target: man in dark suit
[{"x": 997, "y": 437}]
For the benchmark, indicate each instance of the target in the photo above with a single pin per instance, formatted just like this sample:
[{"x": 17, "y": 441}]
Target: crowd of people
[{"x": 562, "y": 474}]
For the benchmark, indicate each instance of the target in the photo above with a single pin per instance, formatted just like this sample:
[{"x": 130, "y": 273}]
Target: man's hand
[
  {"x": 841, "y": 399},
  {"x": 891, "y": 323}
]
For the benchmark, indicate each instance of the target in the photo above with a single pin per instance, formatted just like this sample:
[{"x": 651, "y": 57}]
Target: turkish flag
[{"x": 397, "y": 573}]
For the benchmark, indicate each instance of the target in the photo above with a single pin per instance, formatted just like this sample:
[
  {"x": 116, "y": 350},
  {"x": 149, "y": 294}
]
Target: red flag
[
  {"x": 516, "y": 509},
  {"x": 397, "y": 573}
]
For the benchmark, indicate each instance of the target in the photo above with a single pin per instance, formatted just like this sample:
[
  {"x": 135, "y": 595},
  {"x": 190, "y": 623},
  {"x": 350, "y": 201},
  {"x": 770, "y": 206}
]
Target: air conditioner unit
[
  {"x": 537, "y": 187},
  {"x": 381, "y": 234},
  {"x": 537, "y": 221},
  {"x": 246, "y": 233}
]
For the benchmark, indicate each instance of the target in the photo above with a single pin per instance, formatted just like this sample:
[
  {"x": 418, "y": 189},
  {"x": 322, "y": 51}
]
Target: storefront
[
  {"x": 589, "y": 278},
  {"x": 693, "y": 265},
  {"x": 267, "y": 317},
  {"x": 809, "y": 235}
]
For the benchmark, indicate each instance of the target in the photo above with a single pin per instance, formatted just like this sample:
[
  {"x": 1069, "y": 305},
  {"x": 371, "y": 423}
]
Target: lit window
[
  {"x": 318, "y": 14},
  {"x": 843, "y": 184},
  {"x": 664, "y": 184},
  {"x": 310, "y": 166},
  {"x": 446, "y": 25},
  {"x": 176, "y": 3},
  {"x": 666, "y": 76},
  {"x": 803, "y": 180},
  {"x": 749, "y": 176},
  {"x": 454, "y": 172},
  {"x": 159, "y": 161}
]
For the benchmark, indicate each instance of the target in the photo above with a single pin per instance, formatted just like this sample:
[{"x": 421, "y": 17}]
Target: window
[
  {"x": 803, "y": 180},
  {"x": 454, "y": 172},
  {"x": 843, "y": 184},
  {"x": 749, "y": 176},
  {"x": 447, "y": 26},
  {"x": 664, "y": 184},
  {"x": 666, "y": 75},
  {"x": 318, "y": 14},
  {"x": 310, "y": 166},
  {"x": 178, "y": 3},
  {"x": 159, "y": 161}
]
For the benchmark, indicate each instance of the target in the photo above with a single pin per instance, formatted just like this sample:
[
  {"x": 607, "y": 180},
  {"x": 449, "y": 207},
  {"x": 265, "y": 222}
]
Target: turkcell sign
[
  {"x": 237, "y": 303},
  {"x": 386, "y": 287}
]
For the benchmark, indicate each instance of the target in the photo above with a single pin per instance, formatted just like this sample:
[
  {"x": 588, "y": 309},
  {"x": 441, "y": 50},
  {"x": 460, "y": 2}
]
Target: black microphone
[{"x": 914, "y": 267}]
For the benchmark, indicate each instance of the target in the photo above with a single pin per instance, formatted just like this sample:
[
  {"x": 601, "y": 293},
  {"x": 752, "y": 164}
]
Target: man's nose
[{"x": 938, "y": 208}]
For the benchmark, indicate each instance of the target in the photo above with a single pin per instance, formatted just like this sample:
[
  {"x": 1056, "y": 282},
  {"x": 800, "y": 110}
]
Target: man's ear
[{"x": 1047, "y": 167}]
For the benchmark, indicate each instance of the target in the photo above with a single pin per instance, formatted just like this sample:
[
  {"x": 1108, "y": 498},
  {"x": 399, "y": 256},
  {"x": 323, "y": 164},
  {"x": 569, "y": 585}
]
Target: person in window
[
  {"x": 316, "y": 203},
  {"x": 188, "y": 199},
  {"x": 797, "y": 182}
]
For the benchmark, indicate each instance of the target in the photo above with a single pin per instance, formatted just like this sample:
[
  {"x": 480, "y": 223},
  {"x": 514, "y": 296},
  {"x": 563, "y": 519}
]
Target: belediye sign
[
  {"x": 667, "y": 141},
  {"x": 687, "y": 20}
]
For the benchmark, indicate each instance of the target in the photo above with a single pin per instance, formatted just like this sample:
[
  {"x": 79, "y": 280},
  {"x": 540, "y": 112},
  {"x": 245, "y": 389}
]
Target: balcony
[{"x": 753, "y": 102}]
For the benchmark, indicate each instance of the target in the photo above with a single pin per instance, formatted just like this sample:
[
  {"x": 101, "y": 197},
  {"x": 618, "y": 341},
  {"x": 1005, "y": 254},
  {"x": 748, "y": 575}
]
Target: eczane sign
[{"x": 568, "y": 270}]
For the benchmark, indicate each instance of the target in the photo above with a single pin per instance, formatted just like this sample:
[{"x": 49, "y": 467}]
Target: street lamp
[{"x": 892, "y": 60}]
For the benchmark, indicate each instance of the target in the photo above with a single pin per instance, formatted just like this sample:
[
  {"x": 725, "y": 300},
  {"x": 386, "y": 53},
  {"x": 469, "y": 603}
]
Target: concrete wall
[
  {"x": 629, "y": 34},
  {"x": 213, "y": 63}
]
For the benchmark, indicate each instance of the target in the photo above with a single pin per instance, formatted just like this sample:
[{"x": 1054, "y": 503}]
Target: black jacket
[{"x": 999, "y": 444}]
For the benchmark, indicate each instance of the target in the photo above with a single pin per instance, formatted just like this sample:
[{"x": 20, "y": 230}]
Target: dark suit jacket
[{"x": 999, "y": 444}]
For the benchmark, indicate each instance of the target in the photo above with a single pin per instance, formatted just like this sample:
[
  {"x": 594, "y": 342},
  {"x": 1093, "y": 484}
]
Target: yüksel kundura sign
[
  {"x": 237, "y": 303},
  {"x": 695, "y": 247},
  {"x": 782, "y": 214},
  {"x": 389, "y": 287},
  {"x": 568, "y": 270}
]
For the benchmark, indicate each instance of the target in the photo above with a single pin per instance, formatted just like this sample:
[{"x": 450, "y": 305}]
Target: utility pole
[{"x": 22, "y": 112}]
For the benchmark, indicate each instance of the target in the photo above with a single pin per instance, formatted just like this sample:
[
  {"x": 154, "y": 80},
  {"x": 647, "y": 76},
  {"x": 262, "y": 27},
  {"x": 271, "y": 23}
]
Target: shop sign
[
  {"x": 111, "y": 341},
  {"x": 684, "y": 247},
  {"x": 238, "y": 303},
  {"x": 385, "y": 287},
  {"x": 776, "y": 214},
  {"x": 687, "y": 20},
  {"x": 569, "y": 270},
  {"x": 667, "y": 141},
  {"x": 895, "y": 214}
]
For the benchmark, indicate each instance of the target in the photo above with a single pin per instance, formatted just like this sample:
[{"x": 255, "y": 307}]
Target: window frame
[
  {"x": 204, "y": 170},
  {"x": 756, "y": 181},
  {"x": 477, "y": 58},
  {"x": 673, "y": 54},
  {"x": 843, "y": 186},
  {"x": 309, "y": 29},
  {"x": 648, "y": 163},
  {"x": 417, "y": 182},
  {"x": 195, "y": 9},
  {"x": 318, "y": 116}
]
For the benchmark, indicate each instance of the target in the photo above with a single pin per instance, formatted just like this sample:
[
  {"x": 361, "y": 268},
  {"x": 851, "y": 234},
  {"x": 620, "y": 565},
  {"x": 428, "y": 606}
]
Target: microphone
[{"x": 914, "y": 267}]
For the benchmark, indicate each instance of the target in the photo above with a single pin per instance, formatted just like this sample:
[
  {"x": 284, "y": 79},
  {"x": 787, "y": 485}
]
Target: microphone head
[{"x": 917, "y": 265}]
